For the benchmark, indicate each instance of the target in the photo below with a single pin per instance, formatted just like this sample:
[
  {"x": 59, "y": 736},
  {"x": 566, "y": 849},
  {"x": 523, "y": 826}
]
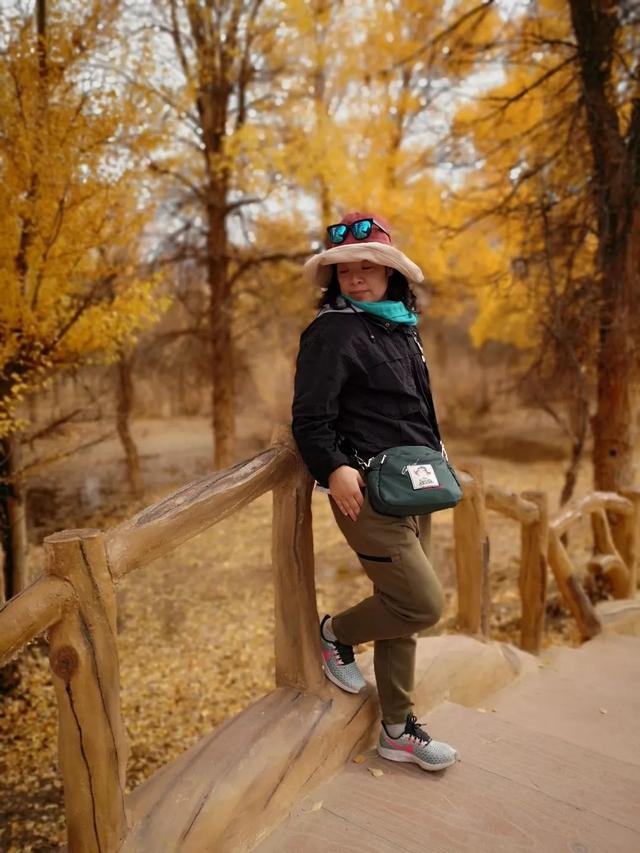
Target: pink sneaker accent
[{"x": 394, "y": 745}]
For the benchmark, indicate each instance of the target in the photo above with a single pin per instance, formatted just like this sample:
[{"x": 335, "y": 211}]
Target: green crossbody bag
[{"x": 412, "y": 480}]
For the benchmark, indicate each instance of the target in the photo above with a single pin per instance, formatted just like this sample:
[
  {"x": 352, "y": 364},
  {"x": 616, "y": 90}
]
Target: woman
[{"x": 361, "y": 387}]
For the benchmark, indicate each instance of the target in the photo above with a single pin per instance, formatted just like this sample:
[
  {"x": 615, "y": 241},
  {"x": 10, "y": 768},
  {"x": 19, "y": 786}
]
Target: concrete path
[{"x": 551, "y": 763}]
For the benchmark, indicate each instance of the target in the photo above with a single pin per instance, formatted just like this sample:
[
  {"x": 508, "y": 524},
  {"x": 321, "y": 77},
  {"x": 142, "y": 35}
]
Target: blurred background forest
[{"x": 167, "y": 165}]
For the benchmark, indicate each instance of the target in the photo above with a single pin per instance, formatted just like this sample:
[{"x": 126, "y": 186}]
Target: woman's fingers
[
  {"x": 352, "y": 513},
  {"x": 350, "y": 504},
  {"x": 345, "y": 486}
]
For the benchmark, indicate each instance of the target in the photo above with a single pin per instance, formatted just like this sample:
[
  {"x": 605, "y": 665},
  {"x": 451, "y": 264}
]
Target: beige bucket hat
[{"x": 376, "y": 247}]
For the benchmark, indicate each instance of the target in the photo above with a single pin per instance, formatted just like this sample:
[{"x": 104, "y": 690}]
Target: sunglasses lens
[
  {"x": 362, "y": 229},
  {"x": 337, "y": 233}
]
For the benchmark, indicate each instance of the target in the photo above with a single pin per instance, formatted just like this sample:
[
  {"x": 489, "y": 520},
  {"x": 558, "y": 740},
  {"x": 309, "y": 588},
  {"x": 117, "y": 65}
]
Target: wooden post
[
  {"x": 627, "y": 535},
  {"x": 472, "y": 553},
  {"x": 84, "y": 661},
  {"x": 533, "y": 574},
  {"x": 297, "y": 636},
  {"x": 571, "y": 589},
  {"x": 604, "y": 545}
]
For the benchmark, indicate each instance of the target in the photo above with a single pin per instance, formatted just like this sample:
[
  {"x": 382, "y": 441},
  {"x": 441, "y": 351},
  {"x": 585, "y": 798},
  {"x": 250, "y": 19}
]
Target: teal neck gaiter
[{"x": 390, "y": 310}]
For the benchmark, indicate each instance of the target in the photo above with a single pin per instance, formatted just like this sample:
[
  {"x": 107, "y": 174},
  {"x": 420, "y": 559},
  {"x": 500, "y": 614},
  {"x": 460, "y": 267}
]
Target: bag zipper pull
[{"x": 361, "y": 461}]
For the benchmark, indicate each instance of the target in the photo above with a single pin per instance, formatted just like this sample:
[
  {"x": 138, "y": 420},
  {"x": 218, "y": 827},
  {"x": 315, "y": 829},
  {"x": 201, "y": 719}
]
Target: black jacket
[{"x": 361, "y": 385}]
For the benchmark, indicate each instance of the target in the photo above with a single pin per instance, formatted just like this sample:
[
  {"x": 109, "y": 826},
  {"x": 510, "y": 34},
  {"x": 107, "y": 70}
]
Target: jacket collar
[{"x": 341, "y": 306}]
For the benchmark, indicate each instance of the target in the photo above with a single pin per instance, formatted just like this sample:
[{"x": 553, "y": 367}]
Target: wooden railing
[
  {"x": 75, "y": 601},
  {"x": 542, "y": 547}
]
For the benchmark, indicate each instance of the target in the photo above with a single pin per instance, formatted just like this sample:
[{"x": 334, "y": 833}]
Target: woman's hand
[{"x": 344, "y": 484}]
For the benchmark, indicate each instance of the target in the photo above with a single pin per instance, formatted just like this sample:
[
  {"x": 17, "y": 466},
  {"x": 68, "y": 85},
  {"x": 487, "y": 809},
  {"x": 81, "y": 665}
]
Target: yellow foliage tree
[
  {"x": 370, "y": 108},
  {"x": 221, "y": 155},
  {"x": 70, "y": 219},
  {"x": 551, "y": 219}
]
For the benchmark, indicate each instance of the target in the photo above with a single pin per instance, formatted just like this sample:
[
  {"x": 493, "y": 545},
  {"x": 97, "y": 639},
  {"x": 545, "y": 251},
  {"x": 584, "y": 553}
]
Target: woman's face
[{"x": 363, "y": 280}]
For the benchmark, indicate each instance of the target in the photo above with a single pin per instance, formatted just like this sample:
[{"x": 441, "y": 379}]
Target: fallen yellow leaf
[
  {"x": 375, "y": 772},
  {"x": 359, "y": 759}
]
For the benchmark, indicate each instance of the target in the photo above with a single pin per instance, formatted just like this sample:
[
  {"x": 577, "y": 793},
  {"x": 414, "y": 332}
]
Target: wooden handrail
[
  {"x": 179, "y": 516},
  {"x": 571, "y": 589},
  {"x": 627, "y": 538},
  {"x": 76, "y": 600},
  {"x": 512, "y": 505},
  {"x": 605, "y": 547},
  {"x": 567, "y": 579},
  {"x": 28, "y": 614},
  {"x": 163, "y": 526},
  {"x": 472, "y": 554},
  {"x": 580, "y": 507}
]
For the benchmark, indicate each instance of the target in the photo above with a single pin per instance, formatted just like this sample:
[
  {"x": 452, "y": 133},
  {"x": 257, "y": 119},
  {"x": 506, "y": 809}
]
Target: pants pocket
[{"x": 374, "y": 559}]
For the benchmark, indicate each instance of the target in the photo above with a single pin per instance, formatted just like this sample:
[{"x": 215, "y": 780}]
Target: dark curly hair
[{"x": 398, "y": 290}]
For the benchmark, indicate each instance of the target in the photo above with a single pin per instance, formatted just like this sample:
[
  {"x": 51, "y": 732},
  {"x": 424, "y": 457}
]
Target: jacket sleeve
[{"x": 321, "y": 372}]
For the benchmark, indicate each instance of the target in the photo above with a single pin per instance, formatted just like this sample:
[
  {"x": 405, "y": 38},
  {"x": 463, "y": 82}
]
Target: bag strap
[{"x": 430, "y": 402}]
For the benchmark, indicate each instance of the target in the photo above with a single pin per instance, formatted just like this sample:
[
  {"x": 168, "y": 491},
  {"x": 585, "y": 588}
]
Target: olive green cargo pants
[{"x": 407, "y": 597}]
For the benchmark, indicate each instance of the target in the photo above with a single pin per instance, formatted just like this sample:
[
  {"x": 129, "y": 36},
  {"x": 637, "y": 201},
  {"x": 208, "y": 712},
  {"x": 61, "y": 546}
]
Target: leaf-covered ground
[{"x": 195, "y": 641}]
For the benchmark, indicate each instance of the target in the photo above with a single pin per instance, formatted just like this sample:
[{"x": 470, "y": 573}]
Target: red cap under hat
[
  {"x": 376, "y": 236},
  {"x": 376, "y": 248}
]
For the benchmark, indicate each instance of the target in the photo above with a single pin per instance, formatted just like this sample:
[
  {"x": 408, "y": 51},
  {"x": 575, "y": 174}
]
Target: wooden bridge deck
[{"x": 552, "y": 763}]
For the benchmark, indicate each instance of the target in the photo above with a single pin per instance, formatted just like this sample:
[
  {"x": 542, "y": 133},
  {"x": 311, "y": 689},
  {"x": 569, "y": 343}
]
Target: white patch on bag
[{"x": 423, "y": 476}]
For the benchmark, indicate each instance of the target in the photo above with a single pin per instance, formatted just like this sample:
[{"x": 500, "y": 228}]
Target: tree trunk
[
  {"x": 579, "y": 423},
  {"x": 223, "y": 402},
  {"x": 215, "y": 89},
  {"x": 615, "y": 192},
  {"x": 613, "y": 429},
  {"x": 123, "y": 418},
  {"x": 13, "y": 517}
]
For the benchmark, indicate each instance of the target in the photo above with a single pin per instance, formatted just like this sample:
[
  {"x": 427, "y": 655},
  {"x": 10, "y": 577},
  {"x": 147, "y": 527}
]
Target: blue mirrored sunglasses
[{"x": 360, "y": 230}]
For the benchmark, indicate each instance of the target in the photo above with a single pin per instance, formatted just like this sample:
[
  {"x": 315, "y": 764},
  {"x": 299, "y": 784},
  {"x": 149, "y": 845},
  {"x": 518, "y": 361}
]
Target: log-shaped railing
[
  {"x": 472, "y": 554},
  {"x": 620, "y": 563},
  {"x": 615, "y": 553},
  {"x": 75, "y": 601}
]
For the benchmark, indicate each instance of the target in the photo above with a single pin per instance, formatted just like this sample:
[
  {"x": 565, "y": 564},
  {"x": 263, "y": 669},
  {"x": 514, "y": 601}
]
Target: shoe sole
[
  {"x": 335, "y": 681},
  {"x": 397, "y": 755}
]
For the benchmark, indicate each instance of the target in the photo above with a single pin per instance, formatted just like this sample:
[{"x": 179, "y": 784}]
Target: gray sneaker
[
  {"x": 416, "y": 746},
  {"x": 339, "y": 664}
]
